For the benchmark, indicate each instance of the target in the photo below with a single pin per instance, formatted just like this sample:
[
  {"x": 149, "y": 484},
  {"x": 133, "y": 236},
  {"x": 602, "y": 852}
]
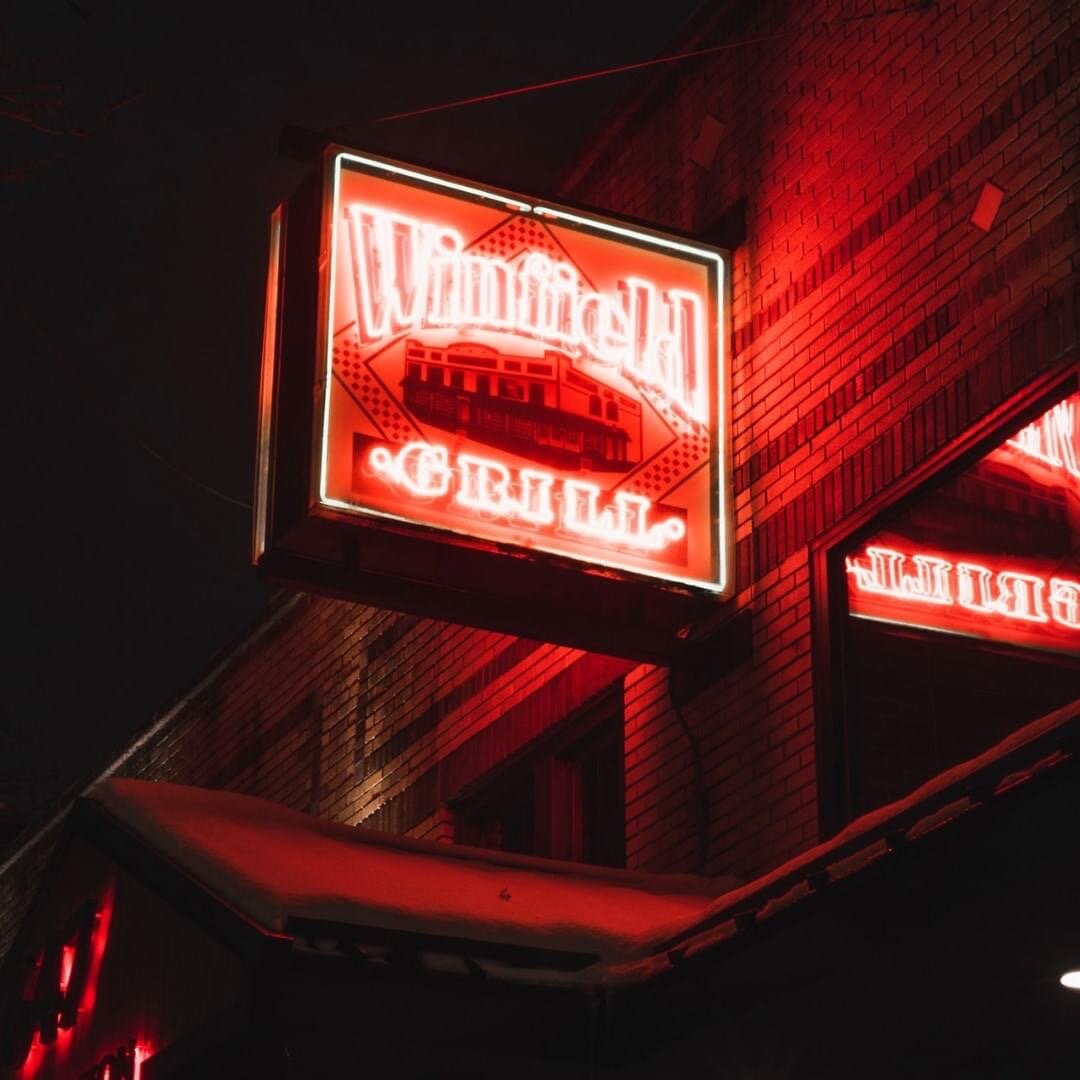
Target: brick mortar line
[
  {"x": 517, "y": 652},
  {"x": 940, "y": 322},
  {"x": 979, "y": 137},
  {"x": 933, "y": 423},
  {"x": 425, "y": 793}
]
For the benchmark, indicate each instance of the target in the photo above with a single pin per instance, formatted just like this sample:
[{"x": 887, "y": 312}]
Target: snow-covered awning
[{"x": 281, "y": 868}]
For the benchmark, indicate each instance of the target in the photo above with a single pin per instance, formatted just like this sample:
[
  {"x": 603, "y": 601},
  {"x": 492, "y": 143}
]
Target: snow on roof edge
[
  {"x": 939, "y": 798},
  {"x": 274, "y": 864}
]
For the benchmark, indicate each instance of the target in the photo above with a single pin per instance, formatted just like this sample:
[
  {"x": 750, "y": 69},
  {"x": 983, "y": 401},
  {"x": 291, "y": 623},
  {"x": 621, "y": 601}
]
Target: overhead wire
[
  {"x": 920, "y": 5},
  {"x": 619, "y": 69}
]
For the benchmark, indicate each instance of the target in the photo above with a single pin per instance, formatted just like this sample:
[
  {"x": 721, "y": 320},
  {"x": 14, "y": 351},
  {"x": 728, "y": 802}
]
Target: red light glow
[
  {"x": 523, "y": 374},
  {"x": 490, "y": 488},
  {"x": 97, "y": 951},
  {"x": 1052, "y": 441},
  {"x": 67, "y": 962},
  {"x": 411, "y": 274},
  {"x": 964, "y": 596},
  {"x": 55, "y": 1010}
]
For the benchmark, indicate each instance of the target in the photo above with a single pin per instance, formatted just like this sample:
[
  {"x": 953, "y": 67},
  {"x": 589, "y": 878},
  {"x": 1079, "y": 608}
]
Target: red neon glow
[
  {"x": 97, "y": 951},
  {"x": 410, "y": 274},
  {"x": 1052, "y": 439},
  {"x": 964, "y": 596},
  {"x": 124, "y": 1063},
  {"x": 83, "y": 953},
  {"x": 527, "y": 496},
  {"x": 67, "y": 962},
  {"x": 523, "y": 374}
]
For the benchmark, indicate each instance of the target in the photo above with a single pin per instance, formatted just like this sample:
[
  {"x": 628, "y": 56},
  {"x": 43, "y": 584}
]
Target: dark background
[{"x": 139, "y": 164}]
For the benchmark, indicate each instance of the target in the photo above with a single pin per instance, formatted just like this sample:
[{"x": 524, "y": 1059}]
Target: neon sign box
[
  {"x": 1019, "y": 594},
  {"x": 492, "y": 375}
]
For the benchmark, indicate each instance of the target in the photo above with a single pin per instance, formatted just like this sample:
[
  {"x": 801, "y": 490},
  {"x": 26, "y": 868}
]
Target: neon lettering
[
  {"x": 528, "y": 496},
  {"x": 887, "y": 573},
  {"x": 929, "y": 579},
  {"x": 408, "y": 274},
  {"x": 625, "y": 521},
  {"x": 63, "y": 971},
  {"x": 486, "y": 486},
  {"x": 418, "y": 467},
  {"x": 1065, "y": 602},
  {"x": 1020, "y": 596},
  {"x": 1052, "y": 439},
  {"x": 974, "y": 585}
]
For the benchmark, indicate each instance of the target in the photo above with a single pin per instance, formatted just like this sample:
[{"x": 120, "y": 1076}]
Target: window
[
  {"x": 435, "y": 376},
  {"x": 511, "y": 389},
  {"x": 611, "y": 410},
  {"x": 963, "y": 612},
  {"x": 594, "y": 405},
  {"x": 457, "y": 380},
  {"x": 566, "y": 801},
  {"x": 483, "y": 385},
  {"x": 536, "y": 394}
]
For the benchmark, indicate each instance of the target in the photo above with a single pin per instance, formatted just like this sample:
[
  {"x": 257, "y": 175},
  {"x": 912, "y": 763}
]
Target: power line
[
  {"x": 187, "y": 476},
  {"x": 601, "y": 73}
]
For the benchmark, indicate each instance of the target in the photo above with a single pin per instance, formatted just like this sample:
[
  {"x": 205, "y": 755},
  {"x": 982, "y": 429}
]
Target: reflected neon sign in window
[
  {"x": 523, "y": 374},
  {"x": 991, "y": 554}
]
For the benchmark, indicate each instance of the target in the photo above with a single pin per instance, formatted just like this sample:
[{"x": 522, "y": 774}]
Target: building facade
[{"x": 900, "y": 194}]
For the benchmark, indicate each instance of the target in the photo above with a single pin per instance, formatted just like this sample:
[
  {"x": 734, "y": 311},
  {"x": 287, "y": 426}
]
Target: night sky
[{"x": 138, "y": 167}]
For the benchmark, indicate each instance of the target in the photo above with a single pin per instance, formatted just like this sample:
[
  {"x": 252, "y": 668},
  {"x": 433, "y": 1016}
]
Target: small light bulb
[{"x": 1071, "y": 979}]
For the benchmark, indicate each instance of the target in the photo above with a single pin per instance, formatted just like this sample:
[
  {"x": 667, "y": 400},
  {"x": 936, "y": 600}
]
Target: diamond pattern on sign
[
  {"x": 689, "y": 451},
  {"x": 369, "y": 393},
  {"x": 690, "y": 448},
  {"x": 515, "y": 236}
]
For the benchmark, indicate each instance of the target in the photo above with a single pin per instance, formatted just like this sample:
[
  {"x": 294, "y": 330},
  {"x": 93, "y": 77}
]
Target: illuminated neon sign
[
  {"x": 1052, "y": 439},
  {"x": 56, "y": 986},
  {"x": 525, "y": 496},
  {"x": 410, "y": 274},
  {"x": 1018, "y": 504},
  {"x": 1022, "y": 601},
  {"x": 57, "y": 1000},
  {"x": 521, "y": 374},
  {"x": 59, "y": 987},
  {"x": 919, "y": 578}
]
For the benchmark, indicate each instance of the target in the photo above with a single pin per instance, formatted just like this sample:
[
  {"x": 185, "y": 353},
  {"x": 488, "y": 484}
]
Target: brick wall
[
  {"x": 355, "y": 714},
  {"x": 872, "y": 324}
]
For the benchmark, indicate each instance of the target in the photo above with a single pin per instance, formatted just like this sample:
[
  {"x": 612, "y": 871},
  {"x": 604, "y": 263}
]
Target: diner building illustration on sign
[
  {"x": 523, "y": 374},
  {"x": 995, "y": 553}
]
